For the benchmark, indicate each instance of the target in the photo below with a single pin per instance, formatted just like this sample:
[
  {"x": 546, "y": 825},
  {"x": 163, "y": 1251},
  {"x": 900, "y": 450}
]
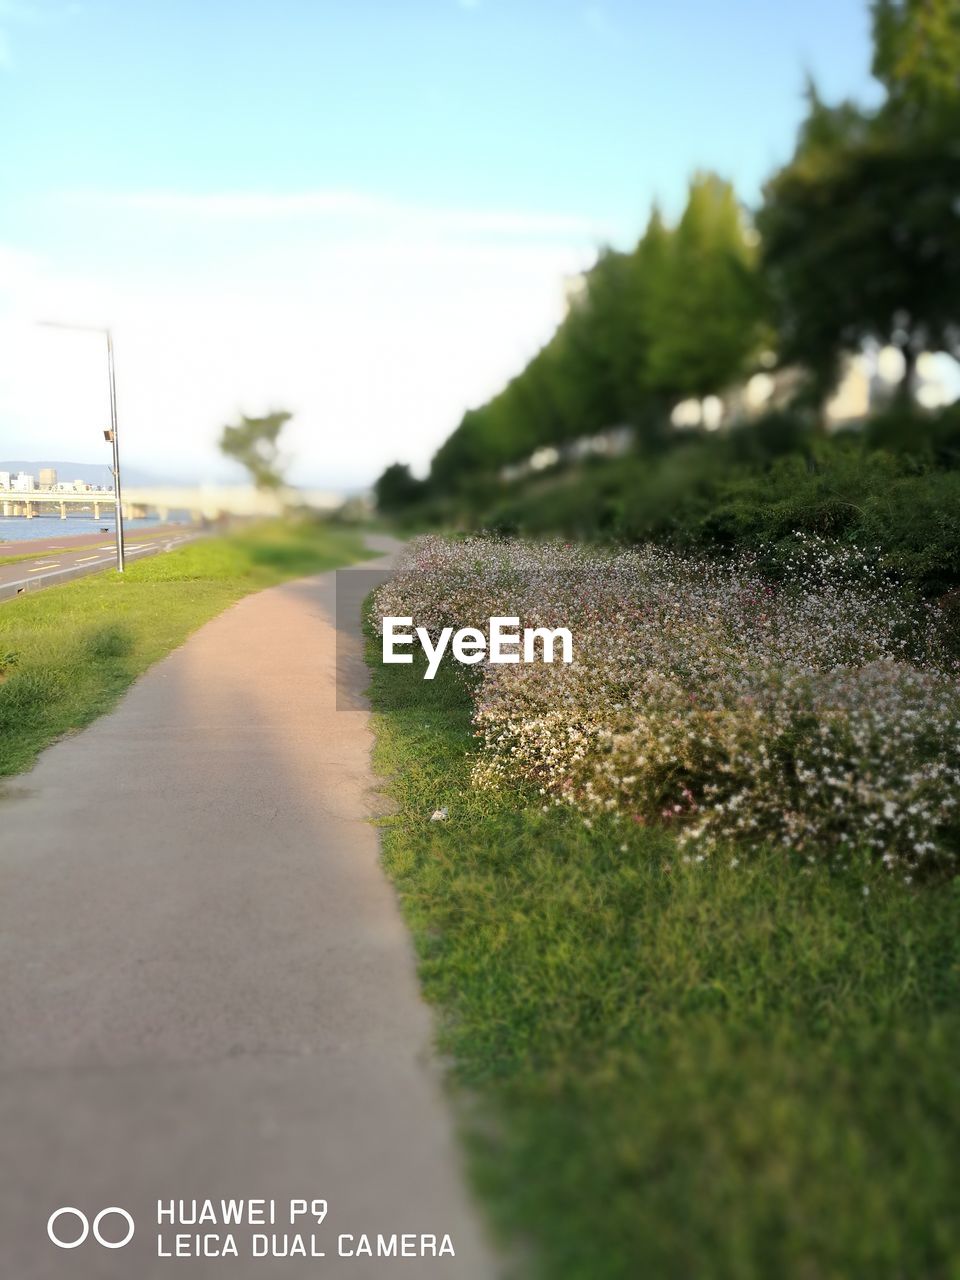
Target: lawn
[
  {"x": 69, "y": 652},
  {"x": 734, "y": 1068}
]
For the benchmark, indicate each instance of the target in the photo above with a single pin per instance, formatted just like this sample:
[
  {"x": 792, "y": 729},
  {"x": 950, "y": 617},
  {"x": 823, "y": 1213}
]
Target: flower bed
[{"x": 820, "y": 714}]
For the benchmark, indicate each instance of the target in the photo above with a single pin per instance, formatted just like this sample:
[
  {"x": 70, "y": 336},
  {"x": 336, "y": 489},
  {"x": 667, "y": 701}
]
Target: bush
[
  {"x": 894, "y": 488},
  {"x": 819, "y": 714}
]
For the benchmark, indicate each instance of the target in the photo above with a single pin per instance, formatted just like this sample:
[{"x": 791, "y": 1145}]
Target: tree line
[{"x": 857, "y": 238}]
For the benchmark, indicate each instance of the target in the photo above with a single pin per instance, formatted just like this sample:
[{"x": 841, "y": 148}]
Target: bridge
[{"x": 202, "y": 502}]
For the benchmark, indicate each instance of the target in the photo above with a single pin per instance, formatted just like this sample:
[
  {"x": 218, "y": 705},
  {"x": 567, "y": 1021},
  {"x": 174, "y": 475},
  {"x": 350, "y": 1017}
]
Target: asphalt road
[
  {"x": 50, "y": 568},
  {"x": 208, "y": 989}
]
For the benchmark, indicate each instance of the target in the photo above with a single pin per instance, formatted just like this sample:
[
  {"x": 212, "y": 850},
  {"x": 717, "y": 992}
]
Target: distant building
[
  {"x": 48, "y": 477},
  {"x": 4, "y": 479},
  {"x": 23, "y": 482}
]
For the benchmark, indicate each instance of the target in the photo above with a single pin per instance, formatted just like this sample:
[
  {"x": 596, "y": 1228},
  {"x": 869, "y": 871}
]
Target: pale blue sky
[{"x": 360, "y": 208}]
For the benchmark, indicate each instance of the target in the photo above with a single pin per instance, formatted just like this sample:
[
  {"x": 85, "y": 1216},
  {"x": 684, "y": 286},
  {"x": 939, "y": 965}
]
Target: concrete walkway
[{"x": 207, "y": 990}]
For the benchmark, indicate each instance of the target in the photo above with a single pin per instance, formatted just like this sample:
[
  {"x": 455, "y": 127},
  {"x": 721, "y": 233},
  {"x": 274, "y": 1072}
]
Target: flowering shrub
[{"x": 821, "y": 714}]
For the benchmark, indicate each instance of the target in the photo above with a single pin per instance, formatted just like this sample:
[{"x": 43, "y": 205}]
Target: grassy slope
[
  {"x": 686, "y": 1071},
  {"x": 67, "y": 653}
]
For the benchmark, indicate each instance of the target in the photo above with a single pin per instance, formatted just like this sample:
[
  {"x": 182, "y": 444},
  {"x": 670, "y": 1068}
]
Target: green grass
[
  {"x": 688, "y": 1071},
  {"x": 32, "y": 555},
  {"x": 67, "y": 653},
  {"x": 41, "y": 555}
]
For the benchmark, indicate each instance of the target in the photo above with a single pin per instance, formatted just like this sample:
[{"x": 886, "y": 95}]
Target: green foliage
[
  {"x": 707, "y": 297},
  {"x": 679, "y": 315},
  {"x": 858, "y": 243},
  {"x": 675, "y": 1070},
  {"x": 860, "y": 228},
  {"x": 396, "y": 490},
  {"x": 917, "y": 53},
  {"x": 895, "y": 488},
  {"x": 254, "y": 443}
]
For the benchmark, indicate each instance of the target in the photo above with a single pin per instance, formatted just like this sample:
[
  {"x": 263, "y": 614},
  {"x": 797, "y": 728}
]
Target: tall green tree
[
  {"x": 677, "y": 315},
  {"x": 917, "y": 54},
  {"x": 611, "y": 317},
  {"x": 706, "y": 302},
  {"x": 396, "y": 489},
  {"x": 860, "y": 229}
]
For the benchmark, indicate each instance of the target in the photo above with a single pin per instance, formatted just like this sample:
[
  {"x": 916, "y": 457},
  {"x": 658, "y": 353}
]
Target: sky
[{"x": 363, "y": 211}]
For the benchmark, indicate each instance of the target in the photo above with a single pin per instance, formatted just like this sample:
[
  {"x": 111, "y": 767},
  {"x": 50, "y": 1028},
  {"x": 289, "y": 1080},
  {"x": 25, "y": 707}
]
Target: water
[{"x": 20, "y": 529}]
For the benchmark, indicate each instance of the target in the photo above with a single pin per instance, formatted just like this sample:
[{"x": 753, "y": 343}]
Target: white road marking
[
  {"x": 88, "y": 562},
  {"x": 51, "y": 564}
]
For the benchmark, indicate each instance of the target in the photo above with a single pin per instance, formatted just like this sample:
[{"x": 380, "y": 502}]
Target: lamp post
[{"x": 110, "y": 435}]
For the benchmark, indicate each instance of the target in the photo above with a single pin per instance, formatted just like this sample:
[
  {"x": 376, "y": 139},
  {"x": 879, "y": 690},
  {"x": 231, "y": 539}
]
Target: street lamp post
[
  {"x": 110, "y": 435},
  {"x": 116, "y": 452}
]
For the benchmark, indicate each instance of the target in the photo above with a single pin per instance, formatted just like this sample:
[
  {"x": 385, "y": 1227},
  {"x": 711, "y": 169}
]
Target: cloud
[
  {"x": 360, "y": 207},
  {"x": 235, "y": 204},
  {"x": 377, "y": 337}
]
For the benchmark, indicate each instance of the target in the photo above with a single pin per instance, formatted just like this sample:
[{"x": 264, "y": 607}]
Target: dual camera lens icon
[{"x": 68, "y": 1211}]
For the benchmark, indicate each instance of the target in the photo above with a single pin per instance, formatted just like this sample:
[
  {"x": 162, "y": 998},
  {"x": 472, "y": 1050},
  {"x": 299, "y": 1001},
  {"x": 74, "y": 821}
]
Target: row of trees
[
  {"x": 857, "y": 238},
  {"x": 673, "y": 318},
  {"x": 861, "y": 230}
]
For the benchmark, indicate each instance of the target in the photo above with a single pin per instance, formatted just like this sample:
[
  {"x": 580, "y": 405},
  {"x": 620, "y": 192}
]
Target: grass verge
[
  {"x": 74, "y": 543},
  {"x": 680, "y": 1069},
  {"x": 69, "y": 652},
  {"x": 19, "y": 556}
]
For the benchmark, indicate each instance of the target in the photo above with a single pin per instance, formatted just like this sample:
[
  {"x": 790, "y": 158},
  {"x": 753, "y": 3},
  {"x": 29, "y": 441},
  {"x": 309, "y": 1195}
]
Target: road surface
[
  {"x": 208, "y": 990},
  {"x": 51, "y": 568}
]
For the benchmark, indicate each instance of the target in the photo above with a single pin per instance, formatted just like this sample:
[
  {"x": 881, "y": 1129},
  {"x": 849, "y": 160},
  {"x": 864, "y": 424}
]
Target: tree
[
  {"x": 396, "y": 489},
  {"x": 860, "y": 230},
  {"x": 681, "y": 314},
  {"x": 253, "y": 442},
  {"x": 917, "y": 54},
  {"x": 706, "y": 299},
  {"x": 804, "y": 264}
]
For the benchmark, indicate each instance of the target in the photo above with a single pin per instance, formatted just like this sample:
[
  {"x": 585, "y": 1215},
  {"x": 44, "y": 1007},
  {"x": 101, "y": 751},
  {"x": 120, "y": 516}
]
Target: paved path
[{"x": 207, "y": 989}]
